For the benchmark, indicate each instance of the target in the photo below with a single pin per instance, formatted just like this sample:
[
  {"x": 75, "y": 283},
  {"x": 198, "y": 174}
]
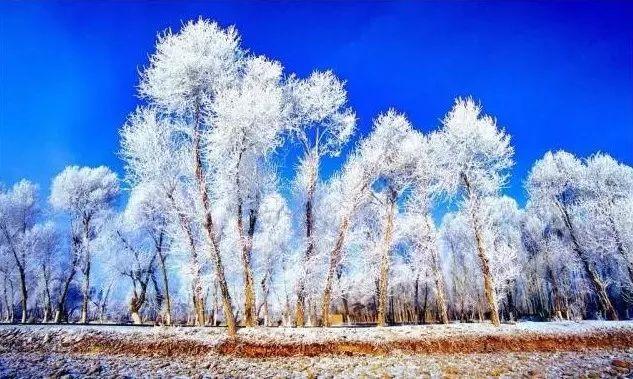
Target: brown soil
[
  {"x": 175, "y": 346},
  {"x": 489, "y": 344}
]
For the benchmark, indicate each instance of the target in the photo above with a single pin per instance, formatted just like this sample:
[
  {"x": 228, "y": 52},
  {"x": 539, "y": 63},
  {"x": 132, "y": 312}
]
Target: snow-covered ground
[
  {"x": 590, "y": 348},
  {"x": 591, "y": 364}
]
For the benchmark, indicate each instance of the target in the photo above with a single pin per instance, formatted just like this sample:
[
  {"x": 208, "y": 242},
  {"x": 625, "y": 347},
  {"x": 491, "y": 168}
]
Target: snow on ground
[
  {"x": 593, "y": 364},
  {"x": 318, "y": 335},
  {"x": 104, "y": 351}
]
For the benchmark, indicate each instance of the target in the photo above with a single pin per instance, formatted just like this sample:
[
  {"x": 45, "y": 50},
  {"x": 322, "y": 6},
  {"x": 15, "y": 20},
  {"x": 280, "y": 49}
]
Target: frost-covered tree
[
  {"x": 353, "y": 188},
  {"x": 459, "y": 248},
  {"x": 148, "y": 211},
  {"x": 186, "y": 75},
  {"x": 394, "y": 148},
  {"x": 42, "y": 245},
  {"x": 557, "y": 182},
  {"x": 155, "y": 167},
  {"x": 552, "y": 261},
  {"x": 247, "y": 120},
  {"x": 86, "y": 194},
  {"x": 421, "y": 226},
  {"x": 609, "y": 189},
  {"x": 18, "y": 213},
  {"x": 474, "y": 156},
  {"x": 322, "y": 124},
  {"x": 419, "y": 230},
  {"x": 271, "y": 241},
  {"x": 502, "y": 218},
  {"x": 135, "y": 243},
  {"x": 187, "y": 237}
]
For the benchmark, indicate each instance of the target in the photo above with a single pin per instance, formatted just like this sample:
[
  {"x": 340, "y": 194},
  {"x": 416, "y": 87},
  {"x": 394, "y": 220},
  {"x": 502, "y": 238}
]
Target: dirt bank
[{"x": 280, "y": 342}]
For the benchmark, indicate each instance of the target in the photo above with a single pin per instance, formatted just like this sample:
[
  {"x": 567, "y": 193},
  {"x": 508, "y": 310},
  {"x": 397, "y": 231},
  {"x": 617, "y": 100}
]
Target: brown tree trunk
[
  {"x": 246, "y": 243},
  {"x": 265, "y": 293},
  {"x": 489, "y": 287},
  {"x": 335, "y": 260},
  {"x": 426, "y": 302},
  {"x": 198, "y": 306},
  {"x": 622, "y": 250},
  {"x": 439, "y": 288},
  {"x": 556, "y": 298},
  {"x": 135, "y": 308},
  {"x": 437, "y": 274},
  {"x": 249, "y": 286},
  {"x": 416, "y": 299},
  {"x": 346, "y": 319},
  {"x": 163, "y": 270},
  {"x": 21, "y": 271},
  {"x": 86, "y": 271},
  {"x": 9, "y": 306},
  {"x": 60, "y": 313},
  {"x": 23, "y": 293},
  {"x": 210, "y": 233},
  {"x": 196, "y": 290},
  {"x": 597, "y": 284},
  {"x": 309, "y": 220},
  {"x": 104, "y": 304},
  {"x": 385, "y": 261},
  {"x": 47, "y": 295},
  {"x": 85, "y": 291}
]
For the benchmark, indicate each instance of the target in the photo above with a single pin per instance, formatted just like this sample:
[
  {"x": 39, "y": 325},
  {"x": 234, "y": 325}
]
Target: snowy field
[{"x": 594, "y": 349}]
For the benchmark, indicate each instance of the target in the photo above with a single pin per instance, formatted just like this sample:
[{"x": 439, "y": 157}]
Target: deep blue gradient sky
[{"x": 556, "y": 75}]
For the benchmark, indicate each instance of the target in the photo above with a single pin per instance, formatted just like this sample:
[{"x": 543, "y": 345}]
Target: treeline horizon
[{"x": 207, "y": 238}]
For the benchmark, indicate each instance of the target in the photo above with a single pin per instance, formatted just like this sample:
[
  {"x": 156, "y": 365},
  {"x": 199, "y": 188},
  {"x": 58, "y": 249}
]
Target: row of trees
[{"x": 206, "y": 226}]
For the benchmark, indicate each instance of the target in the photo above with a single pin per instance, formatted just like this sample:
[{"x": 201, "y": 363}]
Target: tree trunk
[
  {"x": 622, "y": 250},
  {"x": 439, "y": 289},
  {"x": 489, "y": 287},
  {"x": 163, "y": 269},
  {"x": 597, "y": 284},
  {"x": 198, "y": 301},
  {"x": 335, "y": 260},
  {"x": 309, "y": 219},
  {"x": 249, "y": 287},
  {"x": 199, "y": 319},
  {"x": 437, "y": 274},
  {"x": 86, "y": 271},
  {"x": 104, "y": 304},
  {"x": 21, "y": 272},
  {"x": 426, "y": 302},
  {"x": 416, "y": 298},
  {"x": 210, "y": 233},
  {"x": 60, "y": 313},
  {"x": 246, "y": 243},
  {"x": 265, "y": 293},
  {"x": 47, "y": 309},
  {"x": 346, "y": 319},
  {"x": 385, "y": 261},
  {"x": 9, "y": 306},
  {"x": 195, "y": 266},
  {"x": 135, "y": 307},
  {"x": 556, "y": 298},
  {"x": 47, "y": 295},
  {"x": 23, "y": 293},
  {"x": 85, "y": 291}
]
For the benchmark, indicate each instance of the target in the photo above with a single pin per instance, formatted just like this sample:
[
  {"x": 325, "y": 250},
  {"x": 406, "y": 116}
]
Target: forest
[{"x": 203, "y": 228}]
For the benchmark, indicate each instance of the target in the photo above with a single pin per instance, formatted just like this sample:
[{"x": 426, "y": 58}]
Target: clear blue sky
[{"x": 556, "y": 75}]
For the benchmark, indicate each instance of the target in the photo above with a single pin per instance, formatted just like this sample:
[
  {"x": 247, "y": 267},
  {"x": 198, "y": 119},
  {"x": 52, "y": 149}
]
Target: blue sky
[{"x": 557, "y": 75}]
